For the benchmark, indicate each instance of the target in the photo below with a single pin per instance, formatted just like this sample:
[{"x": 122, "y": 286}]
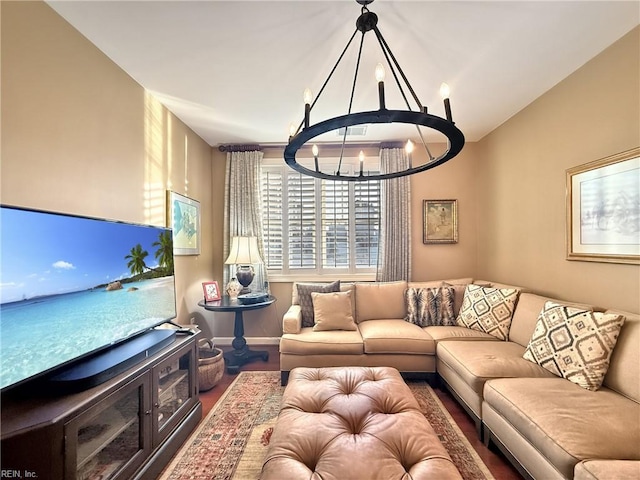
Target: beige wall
[
  {"x": 592, "y": 114},
  {"x": 456, "y": 179},
  {"x": 80, "y": 136}
]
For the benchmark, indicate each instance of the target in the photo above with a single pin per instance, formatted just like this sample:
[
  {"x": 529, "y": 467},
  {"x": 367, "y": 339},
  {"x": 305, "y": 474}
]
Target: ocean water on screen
[{"x": 40, "y": 333}]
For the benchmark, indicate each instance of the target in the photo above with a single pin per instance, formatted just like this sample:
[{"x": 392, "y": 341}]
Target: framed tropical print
[{"x": 183, "y": 216}]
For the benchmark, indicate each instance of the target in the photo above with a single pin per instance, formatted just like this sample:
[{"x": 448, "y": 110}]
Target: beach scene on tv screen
[{"x": 72, "y": 285}]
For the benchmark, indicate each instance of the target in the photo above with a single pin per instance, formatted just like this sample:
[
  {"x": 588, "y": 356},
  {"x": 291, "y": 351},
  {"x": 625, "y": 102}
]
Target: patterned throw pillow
[
  {"x": 305, "y": 301},
  {"x": 430, "y": 306},
  {"x": 411, "y": 300},
  {"x": 445, "y": 298},
  {"x": 574, "y": 344},
  {"x": 488, "y": 310}
]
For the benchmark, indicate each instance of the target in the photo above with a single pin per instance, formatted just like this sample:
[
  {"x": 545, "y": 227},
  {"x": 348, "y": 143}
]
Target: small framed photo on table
[{"x": 211, "y": 291}]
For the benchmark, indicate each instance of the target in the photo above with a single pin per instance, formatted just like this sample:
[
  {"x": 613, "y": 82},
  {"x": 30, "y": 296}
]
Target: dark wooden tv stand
[{"x": 127, "y": 427}]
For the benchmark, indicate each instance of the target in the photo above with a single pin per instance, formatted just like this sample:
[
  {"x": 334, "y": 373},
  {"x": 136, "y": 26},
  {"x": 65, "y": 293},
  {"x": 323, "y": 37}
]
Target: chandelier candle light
[{"x": 367, "y": 21}]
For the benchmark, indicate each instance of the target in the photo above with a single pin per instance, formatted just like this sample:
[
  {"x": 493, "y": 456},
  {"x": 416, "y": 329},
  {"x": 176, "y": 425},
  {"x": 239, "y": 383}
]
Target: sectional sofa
[{"x": 492, "y": 352}]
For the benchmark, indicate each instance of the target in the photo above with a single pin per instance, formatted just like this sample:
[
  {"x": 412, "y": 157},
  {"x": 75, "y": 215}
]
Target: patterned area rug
[{"x": 231, "y": 442}]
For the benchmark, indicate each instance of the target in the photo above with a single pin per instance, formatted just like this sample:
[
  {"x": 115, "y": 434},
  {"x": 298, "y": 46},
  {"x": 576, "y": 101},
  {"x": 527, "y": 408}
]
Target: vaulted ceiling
[{"x": 235, "y": 71}]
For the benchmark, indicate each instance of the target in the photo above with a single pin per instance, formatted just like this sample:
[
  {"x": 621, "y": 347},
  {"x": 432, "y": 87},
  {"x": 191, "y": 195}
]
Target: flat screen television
[{"x": 73, "y": 286}]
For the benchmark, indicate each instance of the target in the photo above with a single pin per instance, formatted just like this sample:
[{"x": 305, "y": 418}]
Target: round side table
[{"x": 241, "y": 353}]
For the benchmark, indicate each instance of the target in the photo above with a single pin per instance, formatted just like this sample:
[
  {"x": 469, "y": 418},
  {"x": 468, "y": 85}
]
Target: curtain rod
[
  {"x": 240, "y": 148},
  {"x": 280, "y": 146},
  {"x": 258, "y": 147}
]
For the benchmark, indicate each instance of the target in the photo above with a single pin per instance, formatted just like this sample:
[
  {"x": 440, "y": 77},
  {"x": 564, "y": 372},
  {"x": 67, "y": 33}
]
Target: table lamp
[{"x": 244, "y": 253}]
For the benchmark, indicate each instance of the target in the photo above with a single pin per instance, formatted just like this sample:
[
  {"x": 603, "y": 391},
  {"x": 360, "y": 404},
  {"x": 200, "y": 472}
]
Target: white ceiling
[{"x": 235, "y": 71}]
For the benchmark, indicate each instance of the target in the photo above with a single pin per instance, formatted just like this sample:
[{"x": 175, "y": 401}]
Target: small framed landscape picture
[
  {"x": 440, "y": 221},
  {"x": 183, "y": 216},
  {"x": 211, "y": 291}
]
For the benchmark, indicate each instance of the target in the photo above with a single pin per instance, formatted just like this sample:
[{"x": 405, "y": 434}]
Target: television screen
[{"x": 71, "y": 286}]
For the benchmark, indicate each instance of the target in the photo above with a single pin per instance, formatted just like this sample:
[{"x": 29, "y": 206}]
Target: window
[{"x": 318, "y": 227}]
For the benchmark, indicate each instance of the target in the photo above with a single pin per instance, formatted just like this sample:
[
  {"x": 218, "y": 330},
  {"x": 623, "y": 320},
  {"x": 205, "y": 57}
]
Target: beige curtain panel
[
  {"x": 394, "y": 256},
  {"x": 243, "y": 208}
]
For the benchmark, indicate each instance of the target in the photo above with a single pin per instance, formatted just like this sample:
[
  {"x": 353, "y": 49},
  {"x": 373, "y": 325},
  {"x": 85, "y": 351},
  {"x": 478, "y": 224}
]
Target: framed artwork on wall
[
  {"x": 183, "y": 216},
  {"x": 603, "y": 209},
  {"x": 211, "y": 291},
  {"x": 440, "y": 218}
]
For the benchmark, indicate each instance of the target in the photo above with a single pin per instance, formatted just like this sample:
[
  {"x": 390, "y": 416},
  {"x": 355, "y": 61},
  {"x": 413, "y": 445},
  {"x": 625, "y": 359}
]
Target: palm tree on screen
[
  {"x": 164, "y": 253},
  {"x": 136, "y": 260}
]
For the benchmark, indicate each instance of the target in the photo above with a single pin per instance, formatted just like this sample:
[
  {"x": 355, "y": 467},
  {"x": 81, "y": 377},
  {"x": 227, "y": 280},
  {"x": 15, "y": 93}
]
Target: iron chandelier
[{"x": 367, "y": 21}]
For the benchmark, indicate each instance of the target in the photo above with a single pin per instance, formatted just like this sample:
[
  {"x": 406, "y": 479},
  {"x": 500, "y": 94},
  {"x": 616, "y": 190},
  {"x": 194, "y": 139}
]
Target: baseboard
[{"x": 250, "y": 340}]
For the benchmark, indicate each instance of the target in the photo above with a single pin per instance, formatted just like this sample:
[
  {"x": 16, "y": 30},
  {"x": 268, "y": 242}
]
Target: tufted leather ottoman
[{"x": 358, "y": 423}]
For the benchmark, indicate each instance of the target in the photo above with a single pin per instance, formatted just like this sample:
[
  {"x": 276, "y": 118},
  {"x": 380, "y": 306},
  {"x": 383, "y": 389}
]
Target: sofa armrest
[{"x": 292, "y": 320}]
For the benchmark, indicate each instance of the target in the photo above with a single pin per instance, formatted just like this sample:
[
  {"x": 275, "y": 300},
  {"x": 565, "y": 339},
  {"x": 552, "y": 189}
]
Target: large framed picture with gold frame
[
  {"x": 603, "y": 209},
  {"x": 440, "y": 221}
]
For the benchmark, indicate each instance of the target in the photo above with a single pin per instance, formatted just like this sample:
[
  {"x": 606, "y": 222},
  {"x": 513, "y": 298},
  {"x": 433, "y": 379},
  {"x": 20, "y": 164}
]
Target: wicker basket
[{"x": 210, "y": 365}]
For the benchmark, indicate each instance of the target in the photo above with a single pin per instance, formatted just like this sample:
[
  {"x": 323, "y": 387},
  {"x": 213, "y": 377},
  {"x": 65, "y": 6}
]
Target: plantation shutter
[
  {"x": 316, "y": 227},
  {"x": 301, "y": 216},
  {"x": 272, "y": 219},
  {"x": 335, "y": 224},
  {"x": 367, "y": 223}
]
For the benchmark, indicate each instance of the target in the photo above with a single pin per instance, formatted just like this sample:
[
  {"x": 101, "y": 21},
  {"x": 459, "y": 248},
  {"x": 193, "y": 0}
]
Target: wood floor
[{"x": 497, "y": 464}]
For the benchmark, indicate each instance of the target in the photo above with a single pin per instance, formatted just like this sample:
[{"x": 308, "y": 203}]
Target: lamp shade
[{"x": 244, "y": 251}]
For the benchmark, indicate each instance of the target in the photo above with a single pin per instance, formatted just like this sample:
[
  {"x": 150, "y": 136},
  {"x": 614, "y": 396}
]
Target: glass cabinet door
[
  {"x": 107, "y": 440},
  {"x": 173, "y": 391}
]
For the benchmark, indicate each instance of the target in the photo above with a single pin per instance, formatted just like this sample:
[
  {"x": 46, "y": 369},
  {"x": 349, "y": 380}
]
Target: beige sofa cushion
[
  {"x": 477, "y": 362},
  {"x": 486, "y": 283},
  {"x": 459, "y": 286},
  {"x": 396, "y": 336},
  {"x": 607, "y": 470},
  {"x": 567, "y": 423},
  {"x": 526, "y": 315},
  {"x": 380, "y": 300},
  {"x": 430, "y": 284},
  {"x": 624, "y": 369},
  {"x": 332, "y": 311},
  {"x": 335, "y": 342},
  {"x": 573, "y": 343},
  {"x": 454, "y": 332}
]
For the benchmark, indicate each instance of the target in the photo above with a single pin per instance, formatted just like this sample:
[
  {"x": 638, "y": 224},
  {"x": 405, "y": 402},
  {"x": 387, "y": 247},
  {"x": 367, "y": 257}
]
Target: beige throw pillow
[
  {"x": 573, "y": 343},
  {"x": 332, "y": 311},
  {"x": 488, "y": 310},
  {"x": 305, "y": 301}
]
